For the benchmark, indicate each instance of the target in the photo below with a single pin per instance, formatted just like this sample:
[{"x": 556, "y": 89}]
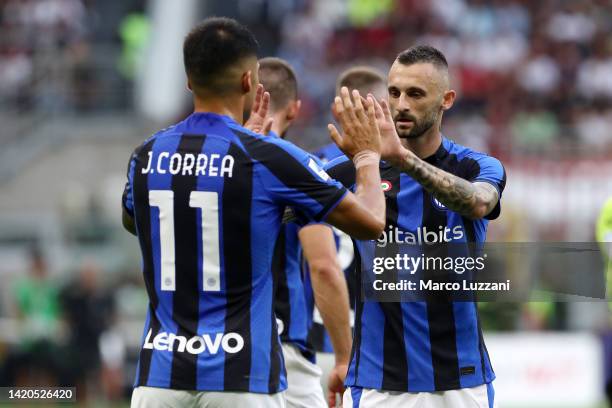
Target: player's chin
[{"x": 404, "y": 134}]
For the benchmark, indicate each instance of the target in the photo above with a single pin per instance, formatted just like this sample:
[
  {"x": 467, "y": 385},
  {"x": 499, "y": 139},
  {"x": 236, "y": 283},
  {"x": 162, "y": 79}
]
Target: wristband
[{"x": 366, "y": 158}]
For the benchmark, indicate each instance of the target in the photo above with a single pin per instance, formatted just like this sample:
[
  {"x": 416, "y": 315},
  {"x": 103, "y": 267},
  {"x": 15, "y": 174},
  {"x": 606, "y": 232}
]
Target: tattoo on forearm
[{"x": 455, "y": 193}]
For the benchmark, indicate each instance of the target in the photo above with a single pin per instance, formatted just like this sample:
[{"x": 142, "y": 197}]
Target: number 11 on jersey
[{"x": 208, "y": 203}]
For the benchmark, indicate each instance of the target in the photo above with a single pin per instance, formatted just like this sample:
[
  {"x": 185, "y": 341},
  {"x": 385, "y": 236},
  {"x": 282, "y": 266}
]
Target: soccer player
[
  {"x": 293, "y": 304},
  {"x": 428, "y": 353},
  {"x": 326, "y": 251},
  {"x": 279, "y": 80},
  {"x": 366, "y": 80},
  {"x": 204, "y": 196}
]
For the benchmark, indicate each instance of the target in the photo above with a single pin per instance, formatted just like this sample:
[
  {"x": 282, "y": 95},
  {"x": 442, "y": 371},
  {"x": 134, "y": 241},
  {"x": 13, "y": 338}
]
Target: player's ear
[
  {"x": 449, "y": 99},
  {"x": 189, "y": 87},
  {"x": 246, "y": 82},
  {"x": 294, "y": 109}
]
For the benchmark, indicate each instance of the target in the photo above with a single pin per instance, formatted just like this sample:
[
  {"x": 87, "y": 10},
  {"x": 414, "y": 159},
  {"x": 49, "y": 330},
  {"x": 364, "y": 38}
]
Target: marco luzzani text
[{"x": 405, "y": 264}]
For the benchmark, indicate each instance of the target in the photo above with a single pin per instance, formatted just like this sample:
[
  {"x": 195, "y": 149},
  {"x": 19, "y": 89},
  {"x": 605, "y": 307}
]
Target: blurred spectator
[
  {"x": 134, "y": 32},
  {"x": 35, "y": 360},
  {"x": 595, "y": 72},
  {"x": 593, "y": 128},
  {"x": 37, "y": 302},
  {"x": 503, "y": 53},
  {"x": 37, "y": 38},
  {"x": 534, "y": 128},
  {"x": 88, "y": 311}
]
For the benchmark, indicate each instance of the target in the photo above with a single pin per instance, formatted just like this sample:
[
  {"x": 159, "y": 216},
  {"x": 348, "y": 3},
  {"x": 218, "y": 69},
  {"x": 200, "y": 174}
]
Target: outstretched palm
[{"x": 391, "y": 148}]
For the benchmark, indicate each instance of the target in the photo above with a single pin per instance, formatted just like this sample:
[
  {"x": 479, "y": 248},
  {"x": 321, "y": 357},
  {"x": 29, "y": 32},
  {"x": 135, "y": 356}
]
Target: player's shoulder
[
  {"x": 343, "y": 170},
  {"x": 150, "y": 140},
  {"x": 258, "y": 143},
  {"x": 328, "y": 152},
  {"x": 339, "y": 162},
  {"x": 464, "y": 152}
]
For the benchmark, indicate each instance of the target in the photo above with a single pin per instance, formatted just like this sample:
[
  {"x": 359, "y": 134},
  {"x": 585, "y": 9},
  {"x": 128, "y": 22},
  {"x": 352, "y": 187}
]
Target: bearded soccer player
[
  {"x": 366, "y": 80},
  {"x": 293, "y": 302},
  {"x": 204, "y": 196},
  {"x": 427, "y": 353}
]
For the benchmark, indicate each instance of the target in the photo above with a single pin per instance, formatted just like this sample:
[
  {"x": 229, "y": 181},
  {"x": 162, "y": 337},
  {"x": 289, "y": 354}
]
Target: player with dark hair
[
  {"x": 204, "y": 196},
  {"x": 428, "y": 353},
  {"x": 278, "y": 78},
  {"x": 367, "y": 80},
  {"x": 294, "y": 303}
]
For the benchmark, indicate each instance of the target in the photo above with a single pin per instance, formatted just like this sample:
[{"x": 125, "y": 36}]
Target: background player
[
  {"x": 428, "y": 353},
  {"x": 293, "y": 305},
  {"x": 204, "y": 196},
  {"x": 279, "y": 80},
  {"x": 366, "y": 80},
  {"x": 324, "y": 250}
]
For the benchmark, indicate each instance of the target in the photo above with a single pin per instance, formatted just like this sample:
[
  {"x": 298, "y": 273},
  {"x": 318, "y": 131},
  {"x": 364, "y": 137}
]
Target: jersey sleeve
[
  {"x": 293, "y": 177},
  {"x": 127, "y": 199},
  {"x": 490, "y": 170},
  {"x": 342, "y": 170}
]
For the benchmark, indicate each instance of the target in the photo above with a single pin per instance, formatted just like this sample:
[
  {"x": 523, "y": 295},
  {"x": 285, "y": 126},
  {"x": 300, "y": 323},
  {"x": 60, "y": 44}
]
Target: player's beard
[{"x": 419, "y": 127}]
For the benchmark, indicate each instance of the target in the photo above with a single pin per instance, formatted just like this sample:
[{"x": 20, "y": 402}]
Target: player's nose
[{"x": 403, "y": 105}]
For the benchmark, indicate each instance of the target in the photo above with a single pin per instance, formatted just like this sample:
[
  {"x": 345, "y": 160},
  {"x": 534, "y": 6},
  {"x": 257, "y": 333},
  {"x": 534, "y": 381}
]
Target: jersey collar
[
  {"x": 211, "y": 117},
  {"x": 440, "y": 153}
]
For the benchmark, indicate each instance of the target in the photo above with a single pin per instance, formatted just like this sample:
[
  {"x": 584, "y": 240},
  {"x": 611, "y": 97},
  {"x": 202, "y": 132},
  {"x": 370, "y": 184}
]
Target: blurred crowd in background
[
  {"x": 532, "y": 76},
  {"x": 533, "y": 80}
]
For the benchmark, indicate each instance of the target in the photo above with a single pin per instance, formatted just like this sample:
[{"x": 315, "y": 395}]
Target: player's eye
[
  {"x": 416, "y": 94},
  {"x": 394, "y": 93}
]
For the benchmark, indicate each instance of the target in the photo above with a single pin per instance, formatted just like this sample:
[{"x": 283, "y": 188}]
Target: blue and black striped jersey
[
  {"x": 207, "y": 195},
  {"x": 422, "y": 346},
  {"x": 328, "y": 152},
  {"x": 293, "y": 304}
]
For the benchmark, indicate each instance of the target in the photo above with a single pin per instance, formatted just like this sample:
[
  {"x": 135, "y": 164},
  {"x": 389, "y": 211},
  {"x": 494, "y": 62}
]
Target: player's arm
[
  {"x": 127, "y": 200},
  {"x": 329, "y": 286},
  {"x": 128, "y": 222},
  {"x": 331, "y": 297},
  {"x": 361, "y": 215},
  {"x": 473, "y": 200}
]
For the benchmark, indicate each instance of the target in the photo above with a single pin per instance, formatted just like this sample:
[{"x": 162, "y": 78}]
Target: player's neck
[
  {"x": 232, "y": 107},
  {"x": 425, "y": 145},
  {"x": 279, "y": 124}
]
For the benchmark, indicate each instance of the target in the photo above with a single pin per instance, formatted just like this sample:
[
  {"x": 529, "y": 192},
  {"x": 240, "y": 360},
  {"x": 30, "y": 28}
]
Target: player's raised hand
[
  {"x": 257, "y": 121},
  {"x": 391, "y": 147},
  {"x": 358, "y": 122}
]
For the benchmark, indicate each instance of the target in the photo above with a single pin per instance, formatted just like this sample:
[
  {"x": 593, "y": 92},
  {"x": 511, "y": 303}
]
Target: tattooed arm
[{"x": 472, "y": 200}]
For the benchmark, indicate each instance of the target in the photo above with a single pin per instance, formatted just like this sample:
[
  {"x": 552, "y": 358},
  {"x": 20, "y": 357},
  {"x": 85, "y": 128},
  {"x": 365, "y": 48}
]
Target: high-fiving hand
[
  {"x": 357, "y": 118},
  {"x": 257, "y": 121},
  {"x": 391, "y": 148}
]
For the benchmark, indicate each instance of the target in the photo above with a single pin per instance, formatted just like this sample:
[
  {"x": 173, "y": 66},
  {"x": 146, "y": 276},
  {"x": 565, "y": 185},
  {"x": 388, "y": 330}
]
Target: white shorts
[
  {"x": 476, "y": 397},
  {"x": 150, "y": 397},
  {"x": 303, "y": 380}
]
